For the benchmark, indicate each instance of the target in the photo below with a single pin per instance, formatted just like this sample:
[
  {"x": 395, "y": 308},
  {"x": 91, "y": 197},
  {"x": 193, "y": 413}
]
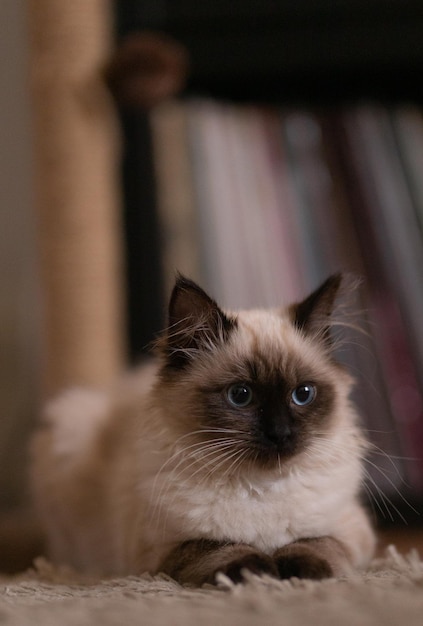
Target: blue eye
[
  {"x": 303, "y": 394},
  {"x": 240, "y": 395}
]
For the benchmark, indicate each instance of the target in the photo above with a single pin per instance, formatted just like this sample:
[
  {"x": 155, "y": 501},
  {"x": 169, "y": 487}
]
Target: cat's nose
[{"x": 279, "y": 432}]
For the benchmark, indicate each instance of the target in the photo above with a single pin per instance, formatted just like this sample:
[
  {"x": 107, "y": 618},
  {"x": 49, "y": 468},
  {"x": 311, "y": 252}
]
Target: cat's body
[{"x": 238, "y": 449}]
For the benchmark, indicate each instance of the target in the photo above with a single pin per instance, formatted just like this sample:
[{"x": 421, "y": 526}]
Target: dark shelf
[{"x": 278, "y": 50}]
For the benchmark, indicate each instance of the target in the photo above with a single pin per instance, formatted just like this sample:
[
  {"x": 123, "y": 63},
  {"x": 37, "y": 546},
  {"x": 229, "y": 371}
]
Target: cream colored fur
[{"x": 118, "y": 482}]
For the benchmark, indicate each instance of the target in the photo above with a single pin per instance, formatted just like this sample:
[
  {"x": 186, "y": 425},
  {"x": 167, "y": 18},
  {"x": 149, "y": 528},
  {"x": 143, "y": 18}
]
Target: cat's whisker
[
  {"x": 380, "y": 499},
  {"x": 376, "y": 451},
  {"x": 345, "y": 347},
  {"x": 205, "y": 431},
  {"x": 356, "y": 327},
  {"x": 393, "y": 485},
  {"x": 182, "y": 452},
  {"x": 373, "y": 501},
  {"x": 385, "y": 500},
  {"x": 380, "y": 432},
  {"x": 186, "y": 454},
  {"x": 235, "y": 464},
  {"x": 328, "y": 450},
  {"x": 221, "y": 462},
  {"x": 199, "y": 328},
  {"x": 205, "y": 452},
  {"x": 202, "y": 447},
  {"x": 198, "y": 444},
  {"x": 214, "y": 463},
  {"x": 328, "y": 447}
]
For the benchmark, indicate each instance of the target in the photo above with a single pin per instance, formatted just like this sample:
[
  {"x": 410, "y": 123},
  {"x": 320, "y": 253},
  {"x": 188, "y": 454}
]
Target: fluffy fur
[{"x": 165, "y": 472}]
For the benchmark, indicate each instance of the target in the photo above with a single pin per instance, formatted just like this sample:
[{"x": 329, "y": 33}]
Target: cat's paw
[
  {"x": 254, "y": 563},
  {"x": 302, "y": 563}
]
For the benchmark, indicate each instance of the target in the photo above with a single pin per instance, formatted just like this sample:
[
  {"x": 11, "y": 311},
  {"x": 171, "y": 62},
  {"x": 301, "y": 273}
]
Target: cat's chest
[{"x": 265, "y": 516}]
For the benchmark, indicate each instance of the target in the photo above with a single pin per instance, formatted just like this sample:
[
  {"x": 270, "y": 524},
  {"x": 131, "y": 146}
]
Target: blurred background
[{"x": 256, "y": 146}]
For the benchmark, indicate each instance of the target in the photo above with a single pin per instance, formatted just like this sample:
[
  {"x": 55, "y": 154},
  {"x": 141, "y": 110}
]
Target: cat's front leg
[
  {"x": 321, "y": 557},
  {"x": 198, "y": 561}
]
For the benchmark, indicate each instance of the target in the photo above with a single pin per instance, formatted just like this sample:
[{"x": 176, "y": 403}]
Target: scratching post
[{"x": 77, "y": 199}]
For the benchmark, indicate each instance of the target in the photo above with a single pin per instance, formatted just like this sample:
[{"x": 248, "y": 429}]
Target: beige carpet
[{"x": 389, "y": 593}]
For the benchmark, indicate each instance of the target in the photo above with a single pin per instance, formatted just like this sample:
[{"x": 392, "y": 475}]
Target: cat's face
[{"x": 255, "y": 387}]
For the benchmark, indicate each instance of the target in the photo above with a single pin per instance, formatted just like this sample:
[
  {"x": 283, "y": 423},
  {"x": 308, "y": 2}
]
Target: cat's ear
[
  {"x": 195, "y": 323},
  {"x": 312, "y": 315}
]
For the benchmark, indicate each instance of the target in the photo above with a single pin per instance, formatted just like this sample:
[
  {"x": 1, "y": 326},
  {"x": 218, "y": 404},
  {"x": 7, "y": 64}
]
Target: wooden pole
[{"x": 76, "y": 150}]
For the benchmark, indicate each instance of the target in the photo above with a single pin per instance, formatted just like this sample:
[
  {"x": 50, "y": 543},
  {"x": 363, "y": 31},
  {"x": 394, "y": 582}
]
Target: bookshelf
[{"x": 278, "y": 92}]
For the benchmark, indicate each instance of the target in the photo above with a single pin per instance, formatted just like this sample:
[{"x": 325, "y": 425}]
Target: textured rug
[{"x": 390, "y": 592}]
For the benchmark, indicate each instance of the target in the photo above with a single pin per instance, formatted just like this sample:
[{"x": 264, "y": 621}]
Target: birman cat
[{"x": 237, "y": 450}]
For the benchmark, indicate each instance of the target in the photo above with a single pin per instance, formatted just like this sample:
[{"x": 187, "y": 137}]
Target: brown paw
[
  {"x": 255, "y": 563},
  {"x": 303, "y": 565}
]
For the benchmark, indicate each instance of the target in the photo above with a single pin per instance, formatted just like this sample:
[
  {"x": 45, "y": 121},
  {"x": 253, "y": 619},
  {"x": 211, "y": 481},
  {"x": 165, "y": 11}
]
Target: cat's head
[{"x": 254, "y": 386}]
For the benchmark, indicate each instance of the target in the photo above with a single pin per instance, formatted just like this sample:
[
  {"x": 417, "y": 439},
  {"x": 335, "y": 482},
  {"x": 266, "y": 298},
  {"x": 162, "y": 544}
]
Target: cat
[{"x": 237, "y": 450}]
